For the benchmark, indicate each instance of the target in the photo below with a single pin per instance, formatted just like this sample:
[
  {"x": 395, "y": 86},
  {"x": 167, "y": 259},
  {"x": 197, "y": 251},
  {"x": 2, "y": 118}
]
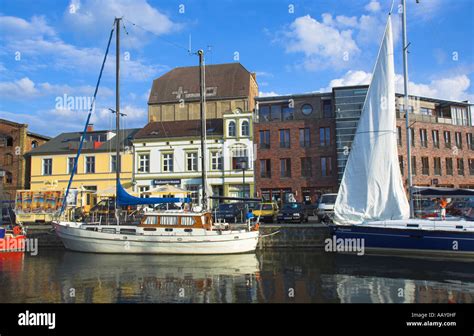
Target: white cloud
[
  {"x": 25, "y": 88},
  {"x": 268, "y": 94},
  {"x": 14, "y": 28},
  {"x": 322, "y": 44},
  {"x": 373, "y": 6},
  {"x": 455, "y": 87}
]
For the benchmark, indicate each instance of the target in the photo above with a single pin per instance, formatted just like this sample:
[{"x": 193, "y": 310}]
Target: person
[
  {"x": 250, "y": 216},
  {"x": 443, "y": 203}
]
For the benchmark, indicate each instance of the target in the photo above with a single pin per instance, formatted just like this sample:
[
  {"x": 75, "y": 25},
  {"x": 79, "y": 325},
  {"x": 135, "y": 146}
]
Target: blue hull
[{"x": 409, "y": 240}]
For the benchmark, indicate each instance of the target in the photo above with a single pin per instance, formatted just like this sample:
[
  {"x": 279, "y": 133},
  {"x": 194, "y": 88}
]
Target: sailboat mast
[
  {"x": 117, "y": 110},
  {"x": 203, "y": 128},
  {"x": 406, "y": 105}
]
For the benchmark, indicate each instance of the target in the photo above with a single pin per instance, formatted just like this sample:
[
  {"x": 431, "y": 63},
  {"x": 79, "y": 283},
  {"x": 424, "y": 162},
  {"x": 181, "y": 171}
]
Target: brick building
[
  {"x": 15, "y": 142},
  {"x": 296, "y": 153},
  {"x": 175, "y": 95}
]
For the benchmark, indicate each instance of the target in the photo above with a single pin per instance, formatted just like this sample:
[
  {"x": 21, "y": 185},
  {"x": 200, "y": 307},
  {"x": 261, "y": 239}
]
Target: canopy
[
  {"x": 124, "y": 198},
  {"x": 166, "y": 190},
  {"x": 440, "y": 192}
]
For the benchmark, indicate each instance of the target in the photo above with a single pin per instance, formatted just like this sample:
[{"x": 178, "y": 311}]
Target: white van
[{"x": 326, "y": 205}]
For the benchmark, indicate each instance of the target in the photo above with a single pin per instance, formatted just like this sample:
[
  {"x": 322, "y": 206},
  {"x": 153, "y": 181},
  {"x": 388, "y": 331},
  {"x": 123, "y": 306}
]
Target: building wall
[
  {"x": 455, "y": 180},
  {"x": 12, "y": 158}
]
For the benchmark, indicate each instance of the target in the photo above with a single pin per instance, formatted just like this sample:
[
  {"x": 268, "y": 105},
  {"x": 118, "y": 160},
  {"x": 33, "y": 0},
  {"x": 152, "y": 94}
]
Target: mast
[
  {"x": 117, "y": 114},
  {"x": 203, "y": 128},
  {"x": 405, "y": 105}
]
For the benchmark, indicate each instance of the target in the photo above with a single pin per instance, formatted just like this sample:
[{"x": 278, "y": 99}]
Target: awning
[
  {"x": 440, "y": 192},
  {"x": 166, "y": 189}
]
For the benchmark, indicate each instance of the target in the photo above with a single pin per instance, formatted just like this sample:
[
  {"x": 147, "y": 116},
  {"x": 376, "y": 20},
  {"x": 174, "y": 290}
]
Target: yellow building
[{"x": 52, "y": 163}]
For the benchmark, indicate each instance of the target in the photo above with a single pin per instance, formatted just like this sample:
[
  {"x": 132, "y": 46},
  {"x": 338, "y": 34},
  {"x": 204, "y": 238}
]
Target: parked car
[
  {"x": 293, "y": 212},
  {"x": 229, "y": 212},
  {"x": 326, "y": 206},
  {"x": 268, "y": 211}
]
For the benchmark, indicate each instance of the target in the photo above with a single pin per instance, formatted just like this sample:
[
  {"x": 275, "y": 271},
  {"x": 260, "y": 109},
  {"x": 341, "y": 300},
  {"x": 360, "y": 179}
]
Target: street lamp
[{"x": 243, "y": 166}]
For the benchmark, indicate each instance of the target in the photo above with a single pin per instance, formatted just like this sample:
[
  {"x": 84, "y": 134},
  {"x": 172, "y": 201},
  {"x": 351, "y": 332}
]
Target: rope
[{"x": 63, "y": 206}]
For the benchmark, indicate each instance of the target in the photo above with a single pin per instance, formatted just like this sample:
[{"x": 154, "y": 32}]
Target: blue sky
[{"x": 52, "y": 48}]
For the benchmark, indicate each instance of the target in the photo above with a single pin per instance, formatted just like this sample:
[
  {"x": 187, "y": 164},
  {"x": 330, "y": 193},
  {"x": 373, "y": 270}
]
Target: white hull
[{"x": 75, "y": 237}]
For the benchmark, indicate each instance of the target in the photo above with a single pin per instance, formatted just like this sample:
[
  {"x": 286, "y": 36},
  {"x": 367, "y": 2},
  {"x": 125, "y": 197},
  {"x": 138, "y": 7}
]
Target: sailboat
[
  {"x": 372, "y": 205},
  {"x": 157, "y": 232}
]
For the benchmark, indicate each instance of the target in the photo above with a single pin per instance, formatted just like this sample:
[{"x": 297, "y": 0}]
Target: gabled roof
[
  {"x": 227, "y": 80},
  {"x": 180, "y": 129},
  {"x": 66, "y": 143}
]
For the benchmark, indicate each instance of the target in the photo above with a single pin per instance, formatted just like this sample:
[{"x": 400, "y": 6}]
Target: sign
[{"x": 164, "y": 182}]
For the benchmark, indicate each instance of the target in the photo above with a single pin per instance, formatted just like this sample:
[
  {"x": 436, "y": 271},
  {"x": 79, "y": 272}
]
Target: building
[
  {"x": 169, "y": 152},
  {"x": 441, "y": 131},
  {"x": 15, "y": 141},
  {"x": 175, "y": 95},
  {"x": 296, "y": 147},
  {"x": 52, "y": 163}
]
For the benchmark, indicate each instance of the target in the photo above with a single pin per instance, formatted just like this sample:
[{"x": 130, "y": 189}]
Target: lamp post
[{"x": 243, "y": 166}]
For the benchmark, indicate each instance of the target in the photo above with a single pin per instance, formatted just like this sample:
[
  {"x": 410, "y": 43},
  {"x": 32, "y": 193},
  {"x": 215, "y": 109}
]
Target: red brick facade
[{"x": 430, "y": 151}]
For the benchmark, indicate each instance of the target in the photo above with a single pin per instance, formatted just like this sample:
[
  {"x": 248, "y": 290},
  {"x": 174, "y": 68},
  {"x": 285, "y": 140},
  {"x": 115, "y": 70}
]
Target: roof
[
  {"x": 180, "y": 129},
  {"x": 36, "y": 135},
  {"x": 4, "y": 121},
  {"x": 66, "y": 143},
  {"x": 227, "y": 80},
  {"x": 437, "y": 192}
]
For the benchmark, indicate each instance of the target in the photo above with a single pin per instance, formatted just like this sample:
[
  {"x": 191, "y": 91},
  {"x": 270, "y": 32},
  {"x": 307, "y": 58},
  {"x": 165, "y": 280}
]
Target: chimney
[{"x": 90, "y": 128}]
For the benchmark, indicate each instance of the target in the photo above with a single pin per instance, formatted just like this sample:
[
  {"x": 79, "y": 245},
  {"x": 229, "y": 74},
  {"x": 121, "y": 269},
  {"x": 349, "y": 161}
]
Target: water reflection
[{"x": 272, "y": 276}]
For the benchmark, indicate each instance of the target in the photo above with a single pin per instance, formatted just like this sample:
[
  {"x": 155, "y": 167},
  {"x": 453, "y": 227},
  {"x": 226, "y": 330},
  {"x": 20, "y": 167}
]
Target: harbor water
[{"x": 273, "y": 276}]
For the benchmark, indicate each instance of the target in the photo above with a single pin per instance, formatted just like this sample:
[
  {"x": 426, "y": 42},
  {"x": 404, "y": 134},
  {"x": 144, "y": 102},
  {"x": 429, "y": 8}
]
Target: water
[{"x": 270, "y": 276}]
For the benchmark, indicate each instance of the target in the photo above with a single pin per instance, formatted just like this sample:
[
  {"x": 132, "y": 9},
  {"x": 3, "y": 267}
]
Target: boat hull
[
  {"x": 409, "y": 241},
  {"x": 78, "y": 239}
]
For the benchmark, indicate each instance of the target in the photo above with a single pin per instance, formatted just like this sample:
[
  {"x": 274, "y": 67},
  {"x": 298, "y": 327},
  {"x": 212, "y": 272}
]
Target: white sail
[{"x": 372, "y": 187}]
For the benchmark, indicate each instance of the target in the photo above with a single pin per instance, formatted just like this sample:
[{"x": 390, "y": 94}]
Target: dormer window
[
  {"x": 245, "y": 128},
  {"x": 231, "y": 129}
]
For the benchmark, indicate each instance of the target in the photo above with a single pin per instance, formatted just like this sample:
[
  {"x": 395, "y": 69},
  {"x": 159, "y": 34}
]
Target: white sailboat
[
  {"x": 158, "y": 232},
  {"x": 372, "y": 204}
]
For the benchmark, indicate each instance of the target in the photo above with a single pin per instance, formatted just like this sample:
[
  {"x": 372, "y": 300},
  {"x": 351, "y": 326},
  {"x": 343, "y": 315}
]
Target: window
[
  {"x": 191, "y": 162},
  {"x": 264, "y": 113},
  {"x": 231, "y": 129},
  {"x": 470, "y": 144},
  {"x": 8, "y": 159},
  {"x": 412, "y": 136},
  {"x": 423, "y": 138},
  {"x": 326, "y": 166},
  {"x": 413, "y": 165},
  {"x": 306, "y": 167},
  {"x": 285, "y": 167},
  {"x": 245, "y": 128},
  {"x": 306, "y": 109},
  {"x": 449, "y": 166},
  {"x": 425, "y": 166},
  {"x": 275, "y": 112},
  {"x": 34, "y": 144},
  {"x": 113, "y": 163},
  {"x": 90, "y": 164},
  {"x": 47, "y": 166},
  {"x": 461, "y": 167},
  {"x": 187, "y": 221},
  {"x": 144, "y": 163},
  {"x": 437, "y": 166},
  {"x": 264, "y": 139},
  {"x": 471, "y": 166},
  {"x": 70, "y": 164},
  {"x": 143, "y": 193},
  {"x": 151, "y": 220},
  {"x": 8, "y": 178},
  {"x": 284, "y": 138},
  {"x": 458, "y": 139},
  {"x": 168, "y": 162},
  {"x": 240, "y": 158},
  {"x": 287, "y": 112},
  {"x": 447, "y": 139},
  {"x": 169, "y": 220},
  {"x": 216, "y": 160},
  {"x": 435, "y": 135},
  {"x": 327, "y": 108},
  {"x": 305, "y": 137},
  {"x": 265, "y": 168},
  {"x": 459, "y": 115},
  {"x": 426, "y": 111},
  {"x": 400, "y": 162},
  {"x": 399, "y": 136},
  {"x": 324, "y": 136}
]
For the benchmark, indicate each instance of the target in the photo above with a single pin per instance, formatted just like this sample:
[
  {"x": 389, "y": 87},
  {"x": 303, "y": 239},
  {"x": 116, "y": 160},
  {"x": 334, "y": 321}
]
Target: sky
[{"x": 51, "y": 51}]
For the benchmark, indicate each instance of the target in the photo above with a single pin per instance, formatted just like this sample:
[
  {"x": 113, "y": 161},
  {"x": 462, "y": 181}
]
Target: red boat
[{"x": 12, "y": 240}]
